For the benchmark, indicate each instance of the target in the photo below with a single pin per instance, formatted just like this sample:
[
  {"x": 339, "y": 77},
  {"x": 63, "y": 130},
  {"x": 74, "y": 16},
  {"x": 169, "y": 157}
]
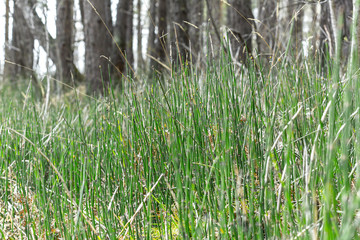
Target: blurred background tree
[{"x": 166, "y": 33}]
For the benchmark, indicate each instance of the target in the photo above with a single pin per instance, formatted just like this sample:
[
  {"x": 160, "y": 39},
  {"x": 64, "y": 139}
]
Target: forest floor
[{"x": 226, "y": 152}]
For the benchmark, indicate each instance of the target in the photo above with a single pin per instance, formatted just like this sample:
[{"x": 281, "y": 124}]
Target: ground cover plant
[
  {"x": 227, "y": 152},
  {"x": 212, "y": 144}
]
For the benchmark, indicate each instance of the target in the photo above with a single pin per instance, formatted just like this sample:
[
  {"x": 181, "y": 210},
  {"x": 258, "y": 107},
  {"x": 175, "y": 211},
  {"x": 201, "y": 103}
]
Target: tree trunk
[
  {"x": 130, "y": 34},
  {"x": 7, "y": 42},
  {"x": 108, "y": 16},
  {"x": 295, "y": 17},
  {"x": 326, "y": 34},
  {"x": 214, "y": 22},
  {"x": 348, "y": 14},
  {"x": 330, "y": 23},
  {"x": 358, "y": 34},
  {"x": 314, "y": 31},
  {"x": 267, "y": 26},
  {"x": 140, "y": 59},
  {"x": 157, "y": 42},
  {"x": 64, "y": 39},
  {"x": 348, "y": 17},
  {"x": 240, "y": 24},
  {"x": 82, "y": 13},
  {"x": 7, "y": 16},
  {"x": 179, "y": 31},
  {"x": 37, "y": 28},
  {"x": 196, "y": 19},
  {"x": 151, "y": 51},
  {"x": 20, "y": 53},
  {"x": 97, "y": 44},
  {"x": 121, "y": 34},
  {"x": 161, "y": 45}
]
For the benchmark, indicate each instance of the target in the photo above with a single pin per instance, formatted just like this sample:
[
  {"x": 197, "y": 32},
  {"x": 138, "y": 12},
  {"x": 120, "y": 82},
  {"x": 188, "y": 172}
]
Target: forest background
[{"x": 268, "y": 22}]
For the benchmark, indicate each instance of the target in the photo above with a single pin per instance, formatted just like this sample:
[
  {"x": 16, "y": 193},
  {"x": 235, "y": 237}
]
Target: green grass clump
[{"x": 227, "y": 152}]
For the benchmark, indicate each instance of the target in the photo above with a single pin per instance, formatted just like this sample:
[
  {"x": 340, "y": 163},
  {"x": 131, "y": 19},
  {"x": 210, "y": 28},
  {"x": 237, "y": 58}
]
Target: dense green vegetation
[{"x": 226, "y": 152}]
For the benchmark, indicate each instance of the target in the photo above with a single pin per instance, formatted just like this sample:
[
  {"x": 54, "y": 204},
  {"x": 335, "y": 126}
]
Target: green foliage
[{"x": 226, "y": 153}]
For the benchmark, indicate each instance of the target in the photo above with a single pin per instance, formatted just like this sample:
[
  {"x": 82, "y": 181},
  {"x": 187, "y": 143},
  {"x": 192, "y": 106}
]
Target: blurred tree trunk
[
  {"x": 179, "y": 31},
  {"x": 295, "y": 17},
  {"x": 157, "y": 41},
  {"x": 140, "y": 60},
  {"x": 37, "y": 28},
  {"x": 215, "y": 9},
  {"x": 97, "y": 43},
  {"x": 326, "y": 35},
  {"x": 268, "y": 26},
  {"x": 64, "y": 39},
  {"x": 123, "y": 27},
  {"x": 314, "y": 31},
  {"x": 7, "y": 16},
  {"x": 346, "y": 37},
  {"x": 130, "y": 34},
  {"x": 7, "y": 42},
  {"x": 21, "y": 49},
  {"x": 151, "y": 51},
  {"x": 358, "y": 36},
  {"x": 328, "y": 24},
  {"x": 240, "y": 24},
  {"x": 196, "y": 18},
  {"x": 82, "y": 14},
  {"x": 108, "y": 16},
  {"x": 32, "y": 27},
  {"x": 161, "y": 44}
]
